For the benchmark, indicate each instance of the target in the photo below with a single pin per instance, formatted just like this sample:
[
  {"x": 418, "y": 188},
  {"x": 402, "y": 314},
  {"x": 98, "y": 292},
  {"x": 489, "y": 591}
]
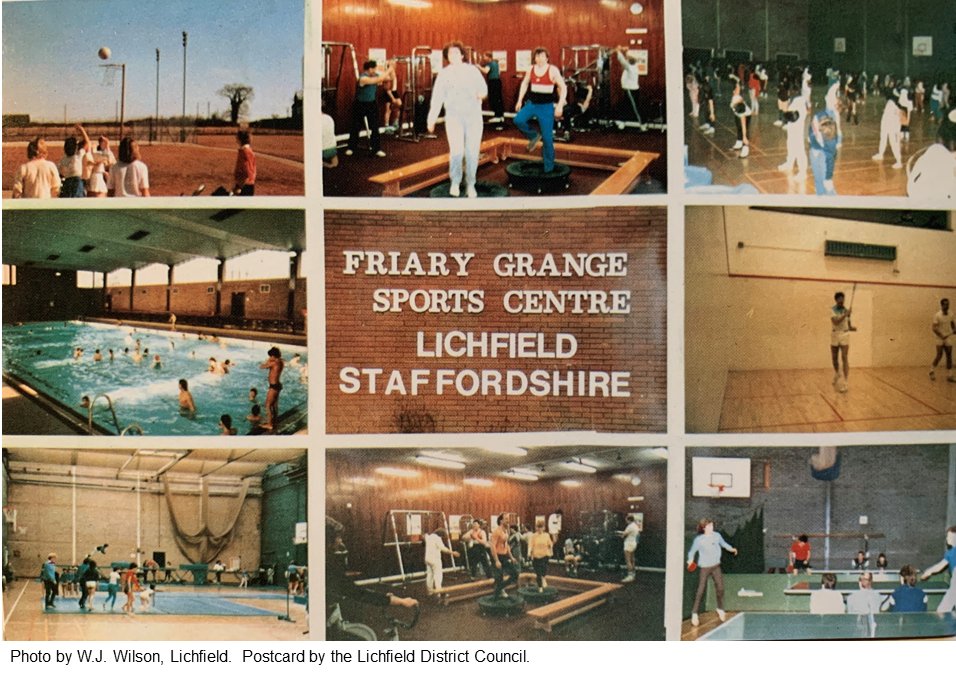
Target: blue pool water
[{"x": 42, "y": 356}]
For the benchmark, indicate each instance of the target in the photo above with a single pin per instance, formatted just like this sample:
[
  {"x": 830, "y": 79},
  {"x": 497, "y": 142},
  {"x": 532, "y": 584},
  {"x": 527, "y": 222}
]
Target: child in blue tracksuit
[{"x": 707, "y": 547}]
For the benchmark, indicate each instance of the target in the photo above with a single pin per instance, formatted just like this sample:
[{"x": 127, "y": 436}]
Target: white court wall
[
  {"x": 45, "y": 522},
  {"x": 766, "y": 305}
]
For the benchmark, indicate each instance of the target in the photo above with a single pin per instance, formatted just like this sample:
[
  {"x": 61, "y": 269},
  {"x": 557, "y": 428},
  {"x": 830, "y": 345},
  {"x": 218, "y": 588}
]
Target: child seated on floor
[{"x": 146, "y": 597}]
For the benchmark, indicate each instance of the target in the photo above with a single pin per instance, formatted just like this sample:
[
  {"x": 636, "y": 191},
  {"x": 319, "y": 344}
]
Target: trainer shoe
[
  {"x": 951, "y": 378},
  {"x": 745, "y": 152},
  {"x": 709, "y": 131},
  {"x": 454, "y": 190},
  {"x": 534, "y": 142},
  {"x": 694, "y": 620},
  {"x": 737, "y": 146},
  {"x": 878, "y": 157},
  {"x": 544, "y": 583},
  {"x": 932, "y": 375},
  {"x": 628, "y": 579},
  {"x": 785, "y": 167},
  {"x": 471, "y": 192},
  {"x": 349, "y": 152},
  {"x": 836, "y": 378},
  {"x": 898, "y": 165},
  {"x": 380, "y": 153},
  {"x": 778, "y": 123},
  {"x": 721, "y": 614},
  {"x": 503, "y": 596}
]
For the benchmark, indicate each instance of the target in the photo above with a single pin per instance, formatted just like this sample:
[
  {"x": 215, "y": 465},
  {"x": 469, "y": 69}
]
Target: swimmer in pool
[
  {"x": 225, "y": 424},
  {"x": 137, "y": 357},
  {"x": 226, "y": 365},
  {"x": 157, "y": 363},
  {"x": 112, "y": 355},
  {"x": 253, "y": 395},
  {"x": 274, "y": 365},
  {"x": 97, "y": 356},
  {"x": 255, "y": 416},
  {"x": 186, "y": 403},
  {"x": 215, "y": 367}
]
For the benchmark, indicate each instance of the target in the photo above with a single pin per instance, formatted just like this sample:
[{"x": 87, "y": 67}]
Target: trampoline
[{"x": 530, "y": 176}]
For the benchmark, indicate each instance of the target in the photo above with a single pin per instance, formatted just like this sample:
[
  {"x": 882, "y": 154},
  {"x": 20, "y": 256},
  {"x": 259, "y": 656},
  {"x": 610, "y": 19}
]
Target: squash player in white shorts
[
  {"x": 840, "y": 338},
  {"x": 944, "y": 328}
]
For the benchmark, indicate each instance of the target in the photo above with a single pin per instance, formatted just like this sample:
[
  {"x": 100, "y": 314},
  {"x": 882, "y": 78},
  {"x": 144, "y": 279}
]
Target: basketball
[{"x": 104, "y": 53}]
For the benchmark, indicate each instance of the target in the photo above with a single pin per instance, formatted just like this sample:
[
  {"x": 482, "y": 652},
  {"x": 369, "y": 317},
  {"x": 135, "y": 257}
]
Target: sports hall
[
  {"x": 386, "y": 506},
  {"x": 790, "y": 516},
  {"x": 204, "y": 540},
  {"x": 761, "y": 287},
  {"x": 108, "y": 312},
  {"x": 608, "y": 141},
  {"x": 885, "y": 68}
]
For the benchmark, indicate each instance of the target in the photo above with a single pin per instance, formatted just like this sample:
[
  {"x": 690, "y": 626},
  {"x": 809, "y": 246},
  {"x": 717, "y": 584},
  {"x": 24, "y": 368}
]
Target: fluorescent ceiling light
[
  {"x": 438, "y": 462},
  {"x": 480, "y": 482},
  {"x": 396, "y": 472},
  {"x": 510, "y": 450},
  {"x": 574, "y": 465},
  {"x": 571, "y": 483},
  {"x": 539, "y": 9},
  {"x": 635, "y": 499},
  {"x": 363, "y": 480},
  {"x": 444, "y": 487},
  {"x": 441, "y": 454},
  {"x": 635, "y": 481}
]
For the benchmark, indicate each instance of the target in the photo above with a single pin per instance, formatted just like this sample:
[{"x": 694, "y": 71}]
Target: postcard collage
[{"x": 479, "y": 320}]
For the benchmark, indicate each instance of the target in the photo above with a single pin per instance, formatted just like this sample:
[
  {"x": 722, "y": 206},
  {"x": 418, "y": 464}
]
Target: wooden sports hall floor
[
  {"x": 856, "y": 173},
  {"x": 24, "y": 619},
  {"x": 877, "y": 399}
]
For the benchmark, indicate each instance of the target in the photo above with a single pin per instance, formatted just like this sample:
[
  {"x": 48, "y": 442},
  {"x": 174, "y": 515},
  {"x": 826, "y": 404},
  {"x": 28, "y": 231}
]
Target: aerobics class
[
  {"x": 825, "y": 97},
  {"x": 147, "y": 322},
  {"x": 811, "y": 543},
  {"x": 819, "y": 320},
  {"x": 496, "y": 542},
  {"x": 549, "y": 98},
  {"x": 155, "y": 544}
]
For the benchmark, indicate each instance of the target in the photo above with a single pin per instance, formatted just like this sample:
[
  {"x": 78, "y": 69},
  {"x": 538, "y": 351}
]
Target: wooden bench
[
  {"x": 414, "y": 177},
  {"x": 465, "y": 591},
  {"x": 548, "y": 616},
  {"x": 625, "y": 166}
]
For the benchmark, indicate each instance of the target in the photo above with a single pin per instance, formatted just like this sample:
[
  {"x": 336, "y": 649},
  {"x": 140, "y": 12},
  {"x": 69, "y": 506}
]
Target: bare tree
[{"x": 239, "y": 96}]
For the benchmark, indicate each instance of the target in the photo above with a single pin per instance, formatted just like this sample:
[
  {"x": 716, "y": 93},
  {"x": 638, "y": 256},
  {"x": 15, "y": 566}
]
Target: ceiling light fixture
[
  {"x": 571, "y": 483},
  {"x": 478, "y": 482},
  {"x": 439, "y": 463}
]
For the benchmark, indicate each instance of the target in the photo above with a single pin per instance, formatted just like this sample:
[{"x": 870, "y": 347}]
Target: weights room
[
  {"x": 811, "y": 543},
  {"x": 400, "y": 112},
  {"x": 111, "y": 544},
  {"x": 819, "y": 320},
  {"x": 413, "y": 537}
]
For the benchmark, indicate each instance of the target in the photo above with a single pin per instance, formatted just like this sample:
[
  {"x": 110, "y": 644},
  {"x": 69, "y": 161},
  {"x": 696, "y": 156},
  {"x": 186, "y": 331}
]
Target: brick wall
[
  {"x": 194, "y": 299},
  {"x": 633, "y": 342}
]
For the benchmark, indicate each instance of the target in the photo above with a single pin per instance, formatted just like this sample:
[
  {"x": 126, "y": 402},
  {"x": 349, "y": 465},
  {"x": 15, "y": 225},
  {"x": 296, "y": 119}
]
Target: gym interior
[
  {"x": 118, "y": 305},
  {"x": 383, "y": 502},
  {"x": 851, "y": 502},
  {"x": 604, "y": 143},
  {"x": 213, "y": 534},
  {"x": 898, "y": 45},
  {"x": 760, "y": 288}
]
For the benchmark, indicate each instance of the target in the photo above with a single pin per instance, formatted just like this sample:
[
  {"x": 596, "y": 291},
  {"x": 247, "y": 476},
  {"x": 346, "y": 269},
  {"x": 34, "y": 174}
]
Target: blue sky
[{"x": 50, "y": 55}]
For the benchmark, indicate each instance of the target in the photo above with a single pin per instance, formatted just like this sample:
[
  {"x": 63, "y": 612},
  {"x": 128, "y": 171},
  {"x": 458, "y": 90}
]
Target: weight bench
[{"x": 588, "y": 596}]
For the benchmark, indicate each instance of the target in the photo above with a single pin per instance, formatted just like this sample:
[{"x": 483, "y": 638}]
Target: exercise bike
[{"x": 337, "y": 628}]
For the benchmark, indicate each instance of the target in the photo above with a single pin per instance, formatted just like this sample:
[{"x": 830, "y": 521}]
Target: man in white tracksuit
[
  {"x": 460, "y": 88},
  {"x": 434, "y": 547}
]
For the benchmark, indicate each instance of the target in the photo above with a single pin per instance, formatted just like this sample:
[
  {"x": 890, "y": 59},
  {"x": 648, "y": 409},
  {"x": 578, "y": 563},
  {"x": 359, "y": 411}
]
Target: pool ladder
[{"x": 109, "y": 402}]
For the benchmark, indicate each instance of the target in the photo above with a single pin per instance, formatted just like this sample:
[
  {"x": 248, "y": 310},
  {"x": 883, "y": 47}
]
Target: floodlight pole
[
  {"x": 156, "y": 116},
  {"x": 182, "y": 131},
  {"x": 122, "y": 98}
]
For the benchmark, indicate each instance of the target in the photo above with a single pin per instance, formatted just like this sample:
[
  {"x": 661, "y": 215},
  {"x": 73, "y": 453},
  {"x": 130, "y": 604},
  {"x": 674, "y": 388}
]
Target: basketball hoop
[{"x": 719, "y": 487}]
